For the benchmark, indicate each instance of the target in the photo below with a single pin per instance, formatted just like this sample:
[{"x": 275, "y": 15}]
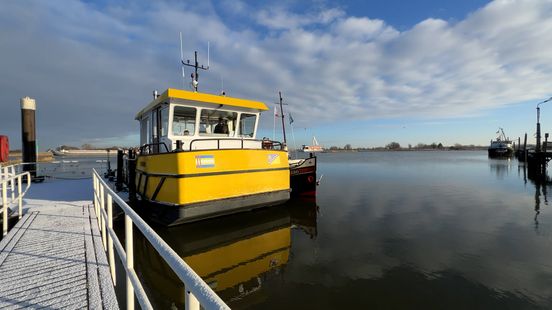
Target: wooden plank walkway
[{"x": 53, "y": 258}]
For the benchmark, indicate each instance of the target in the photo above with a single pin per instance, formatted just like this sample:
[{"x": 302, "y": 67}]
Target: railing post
[
  {"x": 19, "y": 198},
  {"x": 110, "y": 253},
  {"x": 95, "y": 191},
  {"x": 12, "y": 181},
  {"x": 104, "y": 226},
  {"x": 190, "y": 302},
  {"x": 102, "y": 207},
  {"x": 4, "y": 208},
  {"x": 129, "y": 249}
]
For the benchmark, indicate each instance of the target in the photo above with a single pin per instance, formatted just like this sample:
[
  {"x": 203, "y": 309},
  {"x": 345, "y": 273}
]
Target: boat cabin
[{"x": 180, "y": 120}]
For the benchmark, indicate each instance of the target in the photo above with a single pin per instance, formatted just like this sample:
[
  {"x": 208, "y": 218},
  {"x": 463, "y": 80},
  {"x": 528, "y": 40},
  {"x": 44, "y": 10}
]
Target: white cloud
[
  {"x": 89, "y": 65},
  {"x": 280, "y": 18}
]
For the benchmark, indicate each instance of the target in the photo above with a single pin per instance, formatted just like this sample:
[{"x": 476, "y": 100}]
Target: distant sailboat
[{"x": 315, "y": 147}]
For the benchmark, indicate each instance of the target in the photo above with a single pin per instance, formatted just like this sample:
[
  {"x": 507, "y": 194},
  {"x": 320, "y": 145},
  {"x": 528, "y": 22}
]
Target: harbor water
[{"x": 387, "y": 230}]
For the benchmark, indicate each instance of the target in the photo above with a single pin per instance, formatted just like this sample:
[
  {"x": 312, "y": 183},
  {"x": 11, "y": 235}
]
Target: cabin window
[
  {"x": 247, "y": 125},
  {"x": 217, "y": 123},
  {"x": 145, "y": 136},
  {"x": 154, "y": 125},
  {"x": 184, "y": 119},
  {"x": 164, "y": 121}
]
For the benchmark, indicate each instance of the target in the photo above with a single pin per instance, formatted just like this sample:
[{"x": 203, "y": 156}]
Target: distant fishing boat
[
  {"x": 315, "y": 147},
  {"x": 502, "y": 146}
]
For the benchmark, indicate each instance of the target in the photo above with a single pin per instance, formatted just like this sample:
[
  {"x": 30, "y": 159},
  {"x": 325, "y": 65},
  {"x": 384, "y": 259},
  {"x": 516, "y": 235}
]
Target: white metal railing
[
  {"x": 8, "y": 177},
  {"x": 197, "y": 291}
]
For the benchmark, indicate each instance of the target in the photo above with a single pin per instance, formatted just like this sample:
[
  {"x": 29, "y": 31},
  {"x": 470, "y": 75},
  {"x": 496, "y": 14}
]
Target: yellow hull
[{"x": 207, "y": 183}]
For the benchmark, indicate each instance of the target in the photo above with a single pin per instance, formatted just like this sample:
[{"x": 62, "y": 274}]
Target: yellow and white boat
[{"x": 200, "y": 158}]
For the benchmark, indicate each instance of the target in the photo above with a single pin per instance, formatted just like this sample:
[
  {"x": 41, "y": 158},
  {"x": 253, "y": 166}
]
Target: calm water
[{"x": 389, "y": 230}]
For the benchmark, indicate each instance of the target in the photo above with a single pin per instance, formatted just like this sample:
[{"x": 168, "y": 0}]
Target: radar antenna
[{"x": 195, "y": 65}]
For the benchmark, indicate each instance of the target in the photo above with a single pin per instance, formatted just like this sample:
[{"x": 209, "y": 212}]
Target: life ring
[{"x": 310, "y": 179}]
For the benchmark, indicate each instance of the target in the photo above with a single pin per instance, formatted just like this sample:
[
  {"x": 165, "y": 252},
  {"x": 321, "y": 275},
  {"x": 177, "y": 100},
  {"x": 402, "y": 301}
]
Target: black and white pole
[{"x": 28, "y": 134}]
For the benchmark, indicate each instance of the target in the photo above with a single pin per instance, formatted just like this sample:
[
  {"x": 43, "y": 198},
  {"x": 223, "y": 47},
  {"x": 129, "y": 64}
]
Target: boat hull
[
  {"x": 171, "y": 215},
  {"x": 187, "y": 186},
  {"x": 500, "y": 152},
  {"x": 303, "y": 177}
]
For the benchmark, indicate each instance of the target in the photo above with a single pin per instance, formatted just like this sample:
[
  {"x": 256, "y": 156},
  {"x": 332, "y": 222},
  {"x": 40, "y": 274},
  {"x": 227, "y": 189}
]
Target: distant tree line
[
  {"x": 85, "y": 146},
  {"x": 395, "y": 146}
]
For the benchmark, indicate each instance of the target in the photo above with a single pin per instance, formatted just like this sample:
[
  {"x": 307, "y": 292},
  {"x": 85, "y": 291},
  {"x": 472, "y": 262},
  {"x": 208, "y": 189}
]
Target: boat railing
[
  {"x": 235, "y": 143},
  {"x": 8, "y": 178},
  {"x": 197, "y": 292},
  {"x": 150, "y": 148}
]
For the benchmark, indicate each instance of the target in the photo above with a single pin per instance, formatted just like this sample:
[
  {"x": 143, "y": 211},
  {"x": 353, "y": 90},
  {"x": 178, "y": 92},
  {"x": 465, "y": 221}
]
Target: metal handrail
[
  {"x": 149, "y": 146},
  {"x": 197, "y": 291},
  {"x": 273, "y": 144},
  {"x": 10, "y": 177}
]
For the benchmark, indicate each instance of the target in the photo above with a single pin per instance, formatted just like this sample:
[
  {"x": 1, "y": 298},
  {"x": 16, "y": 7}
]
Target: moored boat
[
  {"x": 200, "y": 158},
  {"x": 502, "y": 146},
  {"x": 302, "y": 171},
  {"x": 303, "y": 176}
]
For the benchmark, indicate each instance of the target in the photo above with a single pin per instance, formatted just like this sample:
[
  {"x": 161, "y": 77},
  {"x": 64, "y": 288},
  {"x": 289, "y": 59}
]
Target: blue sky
[{"x": 363, "y": 73}]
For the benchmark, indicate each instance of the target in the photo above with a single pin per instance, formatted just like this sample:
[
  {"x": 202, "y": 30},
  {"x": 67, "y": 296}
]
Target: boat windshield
[
  {"x": 184, "y": 121},
  {"x": 247, "y": 125},
  {"x": 217, "y": 123}
]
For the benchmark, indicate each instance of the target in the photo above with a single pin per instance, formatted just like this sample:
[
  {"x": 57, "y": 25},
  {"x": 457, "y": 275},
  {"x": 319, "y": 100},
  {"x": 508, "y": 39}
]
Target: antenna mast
[
  {"x": 182, "y": 61},
  {"x": 283, "y": 123},
  {"x": 195, "y": 65}
]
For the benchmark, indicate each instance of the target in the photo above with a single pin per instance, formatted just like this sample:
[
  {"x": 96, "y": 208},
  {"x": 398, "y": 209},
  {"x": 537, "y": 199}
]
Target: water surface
[{"x": 388, "y": 230}]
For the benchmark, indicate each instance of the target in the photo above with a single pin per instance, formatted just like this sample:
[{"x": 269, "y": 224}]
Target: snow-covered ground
[{"x": 53, "y": 257}]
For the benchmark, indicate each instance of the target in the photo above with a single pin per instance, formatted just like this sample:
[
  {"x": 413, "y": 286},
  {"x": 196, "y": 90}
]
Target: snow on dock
[{"x": 53, "y": 257}]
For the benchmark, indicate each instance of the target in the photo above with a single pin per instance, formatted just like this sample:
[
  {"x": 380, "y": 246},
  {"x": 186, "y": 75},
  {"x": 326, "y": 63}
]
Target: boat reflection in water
[{"x": 235, "y": 254}]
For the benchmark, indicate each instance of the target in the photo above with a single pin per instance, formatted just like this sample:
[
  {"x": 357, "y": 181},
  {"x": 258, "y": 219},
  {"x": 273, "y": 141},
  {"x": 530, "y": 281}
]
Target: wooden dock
[{"x": 53, "y": 258}]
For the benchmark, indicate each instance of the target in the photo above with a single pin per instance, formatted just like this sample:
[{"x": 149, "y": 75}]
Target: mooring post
[
  {"x": 538, "y": 146},
  {"x": 28, "y": 134},
  {"x": 131, "y": 173},
  {"x": 525, "y": 148},
  {"x": 543, "y": 160},
  {"x": 108, "y": 174},
  {"x": 119, "y": 181}
]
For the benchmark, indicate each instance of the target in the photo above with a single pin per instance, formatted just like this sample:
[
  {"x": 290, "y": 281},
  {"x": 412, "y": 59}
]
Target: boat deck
[{"x": 53, "y": 257}]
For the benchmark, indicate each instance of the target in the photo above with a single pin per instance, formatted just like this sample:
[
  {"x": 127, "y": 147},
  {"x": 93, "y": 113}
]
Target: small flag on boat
[
  {"x": 273, "y": 159},
  {"x": 275, "y": 112},
  {"x": 290, "y": 119},
  {"x": 205, "y": 161}
]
